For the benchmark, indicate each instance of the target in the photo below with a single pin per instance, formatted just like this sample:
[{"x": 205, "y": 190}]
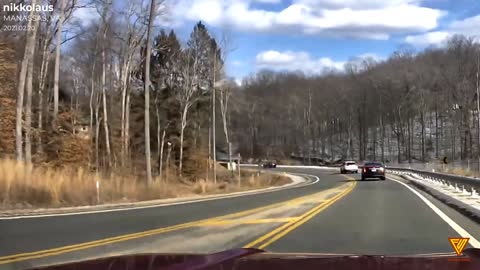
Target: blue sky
[
  {"x": 312, "y": 35},
  {"x": 318, "y": 35}
]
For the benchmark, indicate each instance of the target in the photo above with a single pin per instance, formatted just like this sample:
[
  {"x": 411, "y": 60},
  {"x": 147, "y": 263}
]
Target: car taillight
[{"x": 364, "y": 169}]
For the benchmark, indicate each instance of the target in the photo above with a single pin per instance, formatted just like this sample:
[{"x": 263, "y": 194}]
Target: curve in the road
[
  {"x": 267, "y": 239},
  {"x": 461, "y": 231},
  {"x": 124, "y": 237},
  {"x": 73, "y": 212}
]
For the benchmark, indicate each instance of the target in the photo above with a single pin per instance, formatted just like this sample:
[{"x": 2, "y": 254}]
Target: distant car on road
[
  {"x": 349, "y": 166},
  {"x": 269, "y": 164},
  {"x": 373, "y": 170}
]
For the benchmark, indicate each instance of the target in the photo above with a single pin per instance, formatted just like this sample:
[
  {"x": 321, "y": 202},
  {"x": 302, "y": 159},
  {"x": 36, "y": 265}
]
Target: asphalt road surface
[{"x": 336, "y": 214}]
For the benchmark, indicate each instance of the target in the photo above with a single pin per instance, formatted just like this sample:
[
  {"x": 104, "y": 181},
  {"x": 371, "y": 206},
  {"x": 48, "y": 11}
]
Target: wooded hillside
[
  {"x": 412, "y": 106},
  {"x": 83, "y": 94}
]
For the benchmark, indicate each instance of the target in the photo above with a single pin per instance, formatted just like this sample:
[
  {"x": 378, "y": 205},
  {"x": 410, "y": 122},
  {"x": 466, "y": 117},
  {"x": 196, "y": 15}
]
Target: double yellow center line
[
  {"x": 281, "y": 231},
  {"x": 274, "y": 235}
]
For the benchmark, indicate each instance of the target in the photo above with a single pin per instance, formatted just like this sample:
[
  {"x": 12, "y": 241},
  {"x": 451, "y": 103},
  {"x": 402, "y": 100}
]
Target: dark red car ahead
[{"x": 373, "y": 170}]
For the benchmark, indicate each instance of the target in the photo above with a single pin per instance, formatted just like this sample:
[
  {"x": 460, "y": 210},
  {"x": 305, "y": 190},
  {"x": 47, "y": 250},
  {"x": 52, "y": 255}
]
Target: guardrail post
[
  {"x": 474, "y": 193},
  {"x": 97, "y": 187}
]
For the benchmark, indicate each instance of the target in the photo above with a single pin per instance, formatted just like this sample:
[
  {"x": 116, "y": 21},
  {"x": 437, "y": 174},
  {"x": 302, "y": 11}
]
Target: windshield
[{"x": 198, "y": 126}]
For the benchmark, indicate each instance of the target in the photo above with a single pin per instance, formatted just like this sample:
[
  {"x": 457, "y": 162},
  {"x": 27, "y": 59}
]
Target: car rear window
[
  {"x": 349, "y": 163},
  {"x": 374, "y": 164}
]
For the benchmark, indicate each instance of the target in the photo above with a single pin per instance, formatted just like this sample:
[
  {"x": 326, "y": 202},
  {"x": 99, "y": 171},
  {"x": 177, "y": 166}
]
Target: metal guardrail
[{"x": 467, "y": 183}]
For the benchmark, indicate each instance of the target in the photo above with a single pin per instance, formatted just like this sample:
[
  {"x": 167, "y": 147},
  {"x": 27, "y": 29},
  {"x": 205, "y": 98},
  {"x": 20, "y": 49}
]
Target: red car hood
[{"x": 253, "y": 259}]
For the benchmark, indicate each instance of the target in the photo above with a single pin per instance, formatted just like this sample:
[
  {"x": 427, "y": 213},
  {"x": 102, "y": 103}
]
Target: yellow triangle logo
[{"x": 458, "y": 244}]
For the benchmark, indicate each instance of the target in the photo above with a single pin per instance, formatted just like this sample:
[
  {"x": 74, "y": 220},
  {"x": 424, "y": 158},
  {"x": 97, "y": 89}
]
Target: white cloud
[
  {"x": 373, "y": 56},
  {"x": 356, "y": 4},
  {"x": 468, "y": 26},
  {"x": 293, "y": 61},
  {"x": 371, "y": 19},
  {"x": 431, "y": 38},
  {"x": 268, "y": 1}
]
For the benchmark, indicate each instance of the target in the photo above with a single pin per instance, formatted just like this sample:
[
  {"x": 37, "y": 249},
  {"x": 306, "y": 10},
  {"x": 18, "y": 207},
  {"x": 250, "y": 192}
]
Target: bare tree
[
  {"x": 57, "y": 61},
  {"x": 225, "y": 94},
  {"x": 195, "y": 77},
  {"x": 147, "y": 92},
  {"x": 104, "y": 84},
  {"x": 131, "y": 42},
  {"x": 27, "y": 57},
  {"x": 46, "y": 40},
  {"x": 28, "y": 106}
]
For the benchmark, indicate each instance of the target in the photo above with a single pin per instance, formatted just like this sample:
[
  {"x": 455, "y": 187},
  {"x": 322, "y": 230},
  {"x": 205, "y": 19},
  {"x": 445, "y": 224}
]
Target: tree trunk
[
  {"x": 349, "y": 138},
  {"x": 437, "y": 135},
  {"x": 389, "y": 145},
  {"x": 360, "y": 139},
  {"x": 162, "y": 143},
  {"x": 27, "y": 57},
  {"x": 157, "y": 114},
  {"x": 422, "y": 123},
  {"x": 224, "y": 98},
  {"x": 43, "y": 76},
  {"x": 382, "y": 145},
  {"x": 374, "y": 143},
  {"x": 127, "y": 126},
  {"x": 97, "y": 137},
  {"x": 147, "y": 93},
  {"x": 399, "y": 151},
  {"x": 168, "y": 162},
  {"x": 92, "y": 94},
  {"x": 442, "y": 136},
  {"x": 29, "y": 88},
  {"x": 57, "y": 62},
  {"x": 466, "y": 134},
  {"x": 478, "y": 109},
  {"x": 124, "y": 82},
  {"x": 104, "y": 100},
  {"x": 214, "y": 141},
  {"x": 183, "y": 124},
  {"x": 453, "y": 133}
]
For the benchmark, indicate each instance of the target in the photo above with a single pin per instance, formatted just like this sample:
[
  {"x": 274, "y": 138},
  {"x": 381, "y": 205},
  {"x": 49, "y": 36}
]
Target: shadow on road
[
  {"x": 359, "y": 180},
  {"x": 350, "y": 180}
]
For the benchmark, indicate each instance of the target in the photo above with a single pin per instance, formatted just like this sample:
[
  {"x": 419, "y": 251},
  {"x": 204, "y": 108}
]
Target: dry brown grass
[
  {"x": 26, "y": 187},
  {"x": 461, "y": 172},
  {"x": 249, "y": 180},
  {"x": 289, "y": 162},
  {"x": 21, "y": 186}
]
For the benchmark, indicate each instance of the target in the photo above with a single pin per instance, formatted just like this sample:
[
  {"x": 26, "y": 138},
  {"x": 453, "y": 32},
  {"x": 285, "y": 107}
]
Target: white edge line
[
  {"x": 461, "y": 231},
  {"x": 233, "y": 195}
]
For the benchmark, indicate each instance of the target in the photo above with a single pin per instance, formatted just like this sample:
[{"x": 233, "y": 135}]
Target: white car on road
[{"x": 349, "y": 166}]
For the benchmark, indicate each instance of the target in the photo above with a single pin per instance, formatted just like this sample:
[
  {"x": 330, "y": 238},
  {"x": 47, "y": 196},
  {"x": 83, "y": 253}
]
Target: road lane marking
[
  {"x": 227, "y": 196},
  {"x": 248, "y": 221},
  {"x": 296, "y": 224},
  {"x": 282, "y": 230},
  {"x": 461, "y": 231},
  {"x": 121, "y": 238}
]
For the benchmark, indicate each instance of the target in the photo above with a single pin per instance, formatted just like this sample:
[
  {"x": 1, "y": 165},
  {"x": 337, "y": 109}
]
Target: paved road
[{"x": 335, "y": 215}]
